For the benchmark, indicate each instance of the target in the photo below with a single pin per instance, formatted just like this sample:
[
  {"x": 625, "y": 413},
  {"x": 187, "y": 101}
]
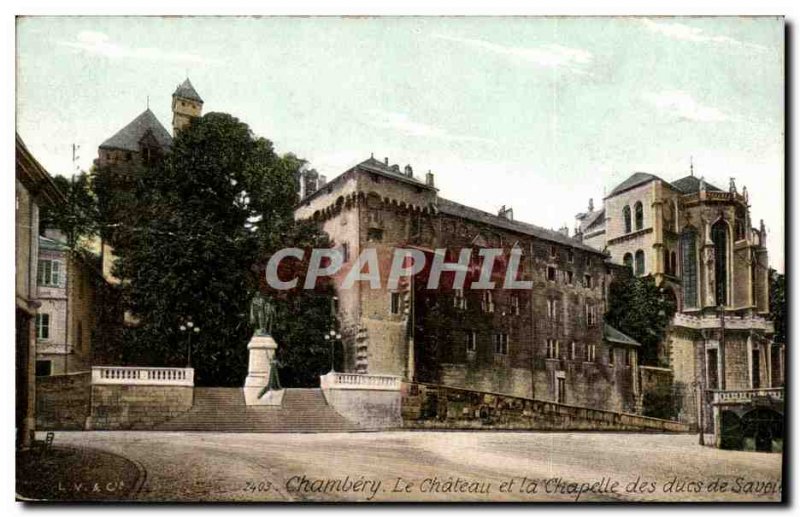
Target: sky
[{"x": 540, "y": 114}]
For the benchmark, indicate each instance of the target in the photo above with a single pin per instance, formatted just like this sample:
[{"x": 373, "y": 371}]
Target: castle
[{"x": 549, "y": 342}]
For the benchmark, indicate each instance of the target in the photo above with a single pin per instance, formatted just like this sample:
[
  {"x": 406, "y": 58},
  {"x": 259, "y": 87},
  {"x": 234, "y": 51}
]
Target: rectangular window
[
  {"x": 570, "y": 256},
  {"x": 573, "y": 351},
  {"x": 552, "y": 349},
  {"x": 756, "y": 365},
  {"x": 611, "y": 356},
  {"x": 487, "y": 302},
  {"x": 568, "y": 277},
  {"x": 552, "y": 309},
  {"x": 591, "y": 316},
  {"x": 628, "y": 357},
  {"x": 551, "y": 273},
  {"x": 587, "y": 281},
  {"x": 501, "y": 343},
  {"x": 712, "y": 369},
  {"x": 395, "y": 303},
  {"x": 49, "y": 273},
  {"x": 561, "y": 390},
  {"x": 590, "y": 353},
  {"x": 44, "y": 368},
  {"x": 472, "y": 341},
  {"x": 43, "y": 326},
  {"x": 374, "y": 235},
  {"x": 515, "y": 304},
  {"x": 459, "y": 301},
  {"x": 553, "y": 251}
]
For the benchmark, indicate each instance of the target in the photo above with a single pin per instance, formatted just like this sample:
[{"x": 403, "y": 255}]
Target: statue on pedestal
[
  {"x": 262, "y": 314},
  {"x": 261, "y": 386}
]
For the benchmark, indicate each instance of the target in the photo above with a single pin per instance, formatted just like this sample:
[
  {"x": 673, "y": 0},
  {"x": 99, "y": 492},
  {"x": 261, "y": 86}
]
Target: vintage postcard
[{"x": 400, "y": 259}]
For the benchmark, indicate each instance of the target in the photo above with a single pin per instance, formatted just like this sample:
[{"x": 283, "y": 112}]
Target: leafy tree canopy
[
  {"x": 777, "y": 304},
  {"x": 196, "y": 225},
  {"x": 642, "y": 310}
]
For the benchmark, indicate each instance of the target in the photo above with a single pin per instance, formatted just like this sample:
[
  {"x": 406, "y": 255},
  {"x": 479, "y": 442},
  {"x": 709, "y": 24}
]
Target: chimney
[
  {"x": 396, "y": 168},
  {"x": 506, "y": 213},
  {"x": 429, "y": 178},
  {"x": 591, "y": 205},
  {"x": 321, "y": 181},
  {"x": 409, "y": 171},
  {"x": 564, "y": 230},
  {"x": 386, "y": 161}
]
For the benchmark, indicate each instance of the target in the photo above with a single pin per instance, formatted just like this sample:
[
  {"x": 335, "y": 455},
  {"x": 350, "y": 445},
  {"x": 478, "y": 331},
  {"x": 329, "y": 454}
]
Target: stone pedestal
[{"x": 262, "y": 352}]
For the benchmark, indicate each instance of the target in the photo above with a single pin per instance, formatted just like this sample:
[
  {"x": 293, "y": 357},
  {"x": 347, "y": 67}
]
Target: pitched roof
[
  {"x": 381, "y": 168},
  {"x": 456, "y": 209},
  {"x": 588, "y": 219},
  {"x": 615, "y": 336},
  {"x": 634, "y": 180},
  {"x": 128, "y": 137},
  {"x": 187, "y": 91},
  {"x": 691, "y": 184}
]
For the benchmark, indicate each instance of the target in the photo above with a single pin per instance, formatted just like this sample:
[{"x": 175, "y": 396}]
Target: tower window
[
  {"x": 627, "y": 260},
  {"x": 501, "y": 343},
  {"x": 472, "y": 341},
  {"x": 626, "y": 217},
  {"x": 639, "y": 263},
  {"x": 639, "y": 215},
  {"x": 719, "y": 235},
  {"x": 395, "y": 303},
  {"x": 689, "y": 267}
]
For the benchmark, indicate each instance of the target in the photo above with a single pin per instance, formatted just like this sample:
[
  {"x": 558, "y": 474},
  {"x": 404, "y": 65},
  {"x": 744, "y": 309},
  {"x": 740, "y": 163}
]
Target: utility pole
[{"x": 68, "y": 264}]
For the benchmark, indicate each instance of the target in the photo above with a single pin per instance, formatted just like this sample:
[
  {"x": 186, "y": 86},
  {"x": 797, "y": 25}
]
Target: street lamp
[
  {"x": 332, "y": 336},
  {"x": 191, "y": 328}
]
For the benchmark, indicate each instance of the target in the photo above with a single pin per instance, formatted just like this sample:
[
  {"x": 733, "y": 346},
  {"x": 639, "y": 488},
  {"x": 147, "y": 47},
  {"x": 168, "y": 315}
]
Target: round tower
[{"x": 186, "y": 104}]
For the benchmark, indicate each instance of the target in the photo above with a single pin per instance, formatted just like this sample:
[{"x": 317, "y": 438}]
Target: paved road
[{"x": 437, "y": 466}]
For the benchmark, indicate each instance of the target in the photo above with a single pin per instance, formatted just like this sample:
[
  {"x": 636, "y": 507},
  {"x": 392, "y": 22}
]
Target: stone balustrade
[
  {"x": 142, "y": 376},
  {"x": 359, "y": 381},
  {"x": 744, "y": 396},
  {"x": 731, "y": 322}
]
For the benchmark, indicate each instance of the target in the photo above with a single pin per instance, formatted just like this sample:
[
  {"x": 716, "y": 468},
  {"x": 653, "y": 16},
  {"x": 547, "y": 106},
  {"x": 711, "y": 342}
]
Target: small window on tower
[{"x": 395, "y": 303}]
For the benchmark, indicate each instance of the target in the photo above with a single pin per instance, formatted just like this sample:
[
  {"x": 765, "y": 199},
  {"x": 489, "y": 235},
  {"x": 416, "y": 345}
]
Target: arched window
[
  {"x": 740, "y": 223},
  {"x": 639, "y": 215},
  {"x": 689, "y": 267},
  {"x": 639, "y": 262},
  {"x": 626, "y": 216},
  {"x": 719, "y": 235},
  {"x": 628, "y": 261}
]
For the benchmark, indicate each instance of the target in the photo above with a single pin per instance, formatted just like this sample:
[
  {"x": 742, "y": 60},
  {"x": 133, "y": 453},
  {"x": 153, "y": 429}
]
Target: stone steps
[{"x": 224, "y": 410}]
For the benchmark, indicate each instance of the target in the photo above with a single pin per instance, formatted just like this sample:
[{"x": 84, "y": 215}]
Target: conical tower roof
[{"x": 187, "y": 91}]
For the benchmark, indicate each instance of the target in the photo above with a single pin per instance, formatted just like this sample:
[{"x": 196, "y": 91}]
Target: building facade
[
  {"x": 66, "y": 321},
  {"x": 548, "y": 342},
  {"x": 34, "y": 189},
  {"x": 699, "y": 243}
]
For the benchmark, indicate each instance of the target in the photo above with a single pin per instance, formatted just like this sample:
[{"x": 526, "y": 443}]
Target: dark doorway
[
  {"x": 764, "y": 428},
  {"x": 731, "y": 431}
]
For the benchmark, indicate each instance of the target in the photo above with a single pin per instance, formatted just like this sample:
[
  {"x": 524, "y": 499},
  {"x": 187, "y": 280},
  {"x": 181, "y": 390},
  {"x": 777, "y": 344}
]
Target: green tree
[
  {"x": 78, "y": 217},
  {"x": 187, "y": 244},
  {"x": 642, "y": 310},
  {"x": 777, "y": 304}
]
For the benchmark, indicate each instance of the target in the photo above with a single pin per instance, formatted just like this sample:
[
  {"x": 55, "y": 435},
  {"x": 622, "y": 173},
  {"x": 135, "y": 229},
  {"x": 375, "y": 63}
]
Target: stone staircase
[{"x": 224, "y": 410}]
